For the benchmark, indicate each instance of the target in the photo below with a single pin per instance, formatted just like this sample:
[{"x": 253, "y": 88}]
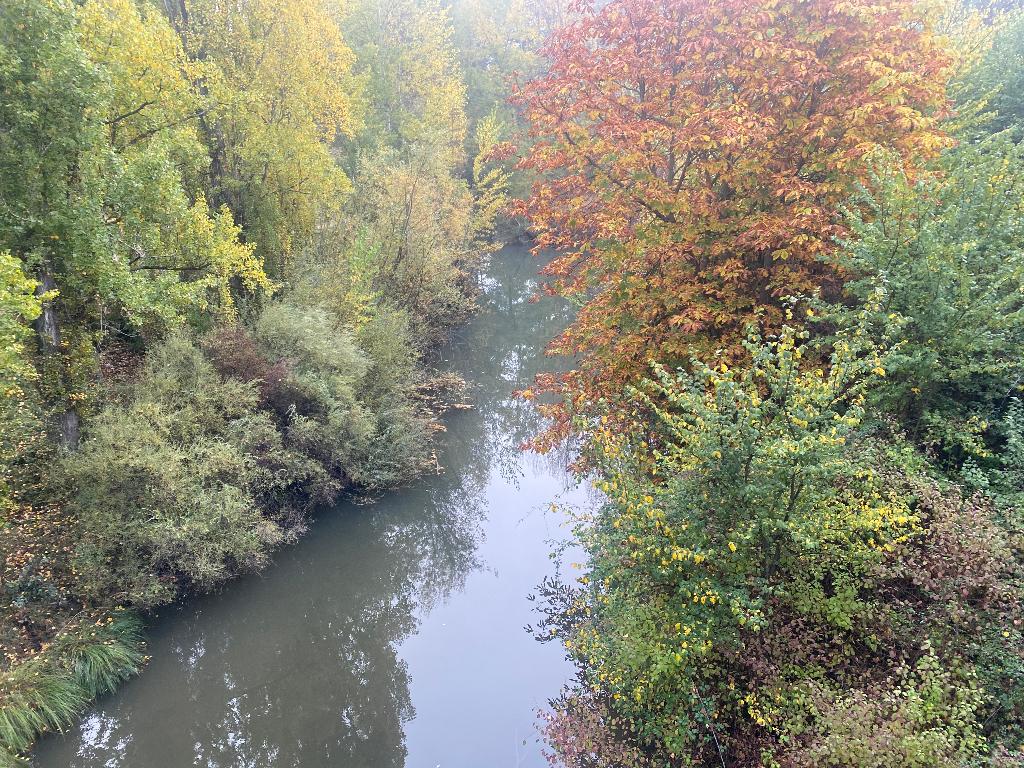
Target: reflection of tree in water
[
  {"x": 508, "y": 343},
  {"x": 300, "y": 667}
]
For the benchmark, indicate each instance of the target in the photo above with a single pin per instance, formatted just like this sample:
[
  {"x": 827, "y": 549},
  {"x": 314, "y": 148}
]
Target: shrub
[
  {"x": 925, "y": 717},
  {"x": 215, "y": 453},
  {"x": 323, "y": 418},
  {"x": 345, "y": 400},
  {"x": 392, "y": 371},
  {"x": 584, "y": 731},
  {"x": 945, "y": 251},
  {"x": 401, "y": 442},
  {"x": 311, "y": 338},
  {"x": 758, "y": 507},
  {"x": 160, "y": 490},
  {"x": 283, "y": 481}
]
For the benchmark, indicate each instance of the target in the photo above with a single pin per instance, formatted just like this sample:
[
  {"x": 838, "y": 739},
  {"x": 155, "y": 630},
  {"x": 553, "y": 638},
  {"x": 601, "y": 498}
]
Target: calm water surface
[{"x": 392, "y": 635}]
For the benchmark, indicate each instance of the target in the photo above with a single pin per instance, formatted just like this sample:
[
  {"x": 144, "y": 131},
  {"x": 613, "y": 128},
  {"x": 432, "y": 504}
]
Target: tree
[
  {"x": 998, "y": 79},
  {"x": 496, "y": 41},
  {"x": 490, "y": 178},
  {"x": 96, "y": 160},
  {"x": 19, "y": 306},
  {"x": 179, "y": 257},
  {"x": 696, "y": 153},
  {"x": 412, "y": 228},
  {"x": 415, "y": 91},
  {"x": 283, "y": 92}
]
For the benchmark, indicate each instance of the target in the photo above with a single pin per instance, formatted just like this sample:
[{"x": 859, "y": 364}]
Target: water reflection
[{"x": 414, "y": 603}]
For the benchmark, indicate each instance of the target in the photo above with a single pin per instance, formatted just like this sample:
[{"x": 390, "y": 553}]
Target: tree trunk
[
  {"x": 50, "y": 342},
  {"x": 177, "y": 14}
]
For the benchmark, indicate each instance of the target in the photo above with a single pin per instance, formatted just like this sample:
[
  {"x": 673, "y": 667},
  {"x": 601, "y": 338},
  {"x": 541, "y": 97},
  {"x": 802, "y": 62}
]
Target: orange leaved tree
[{"x": 694, "y": 155}]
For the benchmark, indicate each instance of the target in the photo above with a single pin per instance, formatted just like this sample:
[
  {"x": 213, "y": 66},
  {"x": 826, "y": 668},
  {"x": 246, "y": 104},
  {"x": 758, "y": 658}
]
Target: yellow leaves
[
  {"x": 416, "y": 87},
  {"x": 732, "y": 546},
  {"x": 19, "y": 305},
  {"x": 150, "y": 79},
  {"x": 282, "y": 88},
  {"x": 227, "y": 257},
  {"x": 288, "y": 58}
]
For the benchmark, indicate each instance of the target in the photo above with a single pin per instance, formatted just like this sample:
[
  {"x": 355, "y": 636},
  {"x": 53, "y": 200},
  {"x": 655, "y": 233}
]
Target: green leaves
[
  {"x": 947, "y": 253},
  {"x": 101, "y": 160},
  {"x": 748, "y": 494},
  {"x": 785, "y": 571}
]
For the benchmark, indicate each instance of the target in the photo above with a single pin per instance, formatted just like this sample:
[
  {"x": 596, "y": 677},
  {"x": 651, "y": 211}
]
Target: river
[{"x": 392, "y": 634}]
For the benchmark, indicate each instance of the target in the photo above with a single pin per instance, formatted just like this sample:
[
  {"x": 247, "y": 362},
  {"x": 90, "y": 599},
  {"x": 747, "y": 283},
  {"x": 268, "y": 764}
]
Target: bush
[
  {"x": 160, "y": 490},
  {"x": 284, "y": 481},
  {"x": 322, "y": 417},
  {"x": 401, "y": 442},
  {"x": 769, "y": 584},
  {"x": 312, "y": 339},
  {"x": 215, "y": 453},
  {"x": 924, "y": 717},
  {"x": 392, "y": 371},
  {"x": 945, "y": 251},
  {"x": 345, "y": 402},
  {"x": 235, "y": 354}
]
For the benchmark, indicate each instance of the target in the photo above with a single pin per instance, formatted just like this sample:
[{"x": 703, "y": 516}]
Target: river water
[{"x": 392, "y": 634}]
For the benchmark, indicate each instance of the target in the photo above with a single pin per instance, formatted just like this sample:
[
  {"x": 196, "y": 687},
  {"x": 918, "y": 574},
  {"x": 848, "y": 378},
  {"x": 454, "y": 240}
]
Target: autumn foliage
[{"x": 694, "y": 155}]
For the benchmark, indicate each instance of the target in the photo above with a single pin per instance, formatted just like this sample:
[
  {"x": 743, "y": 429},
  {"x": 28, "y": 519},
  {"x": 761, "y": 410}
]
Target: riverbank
[
  {"x": 392, "y": 632},
  {"x": 192, "y": 472}
]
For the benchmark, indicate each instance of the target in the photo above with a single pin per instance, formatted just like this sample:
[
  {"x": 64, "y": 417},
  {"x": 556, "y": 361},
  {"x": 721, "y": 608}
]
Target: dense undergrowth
[{"x": 233, "y": 236}]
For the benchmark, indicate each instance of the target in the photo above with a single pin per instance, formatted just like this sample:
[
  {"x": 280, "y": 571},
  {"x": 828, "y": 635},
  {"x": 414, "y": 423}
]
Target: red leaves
[{"x": 696, "y": 152}]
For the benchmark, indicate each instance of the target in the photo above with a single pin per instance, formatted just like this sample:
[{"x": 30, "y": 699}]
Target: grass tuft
[{"x": 50, "y": 690}]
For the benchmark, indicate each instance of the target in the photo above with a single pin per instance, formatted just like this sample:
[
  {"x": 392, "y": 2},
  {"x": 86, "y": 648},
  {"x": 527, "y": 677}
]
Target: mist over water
[{"x": 392, "y": 634}]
